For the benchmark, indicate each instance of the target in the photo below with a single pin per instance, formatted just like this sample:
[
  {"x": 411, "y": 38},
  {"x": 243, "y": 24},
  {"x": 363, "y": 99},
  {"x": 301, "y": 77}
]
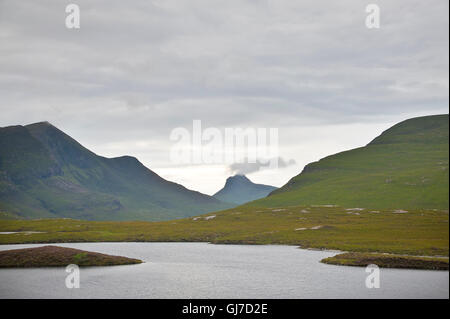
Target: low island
[
  {"x": 55, "y": 256},
  {"x": 387, "y": 261}
]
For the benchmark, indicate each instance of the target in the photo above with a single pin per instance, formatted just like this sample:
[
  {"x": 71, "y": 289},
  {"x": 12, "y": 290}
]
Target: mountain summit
[
  {"x": 44, "y": 173},
  {"x": 239, "y": 189}
]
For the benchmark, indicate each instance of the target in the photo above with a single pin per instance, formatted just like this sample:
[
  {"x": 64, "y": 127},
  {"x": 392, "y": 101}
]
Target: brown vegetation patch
[
  {"x": 54, "y": 256},
  {"x": 387, "y": 261}
]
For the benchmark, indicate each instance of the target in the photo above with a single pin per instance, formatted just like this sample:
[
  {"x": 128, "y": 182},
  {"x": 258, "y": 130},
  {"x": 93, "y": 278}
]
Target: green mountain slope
[
  {"x": 239, "y": 189},
  {"x": 406, "y": 167},
  {"x": 46, "y": 173}
]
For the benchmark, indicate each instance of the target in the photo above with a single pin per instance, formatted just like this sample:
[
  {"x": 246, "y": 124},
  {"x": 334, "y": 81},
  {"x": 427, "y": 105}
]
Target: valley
[
  {"x": 390, "y": 196},
  {"x": 417, "y": 232}
]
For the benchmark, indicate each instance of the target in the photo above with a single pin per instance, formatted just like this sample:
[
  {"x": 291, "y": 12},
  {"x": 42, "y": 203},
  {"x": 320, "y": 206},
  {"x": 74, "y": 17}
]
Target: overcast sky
[{"x": 136, "y": 70}]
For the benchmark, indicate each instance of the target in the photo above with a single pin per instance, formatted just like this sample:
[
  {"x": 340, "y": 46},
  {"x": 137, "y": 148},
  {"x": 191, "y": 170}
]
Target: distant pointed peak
[
  {"x": 239, "y": 189},
  {"x": 238, "y": 178}
]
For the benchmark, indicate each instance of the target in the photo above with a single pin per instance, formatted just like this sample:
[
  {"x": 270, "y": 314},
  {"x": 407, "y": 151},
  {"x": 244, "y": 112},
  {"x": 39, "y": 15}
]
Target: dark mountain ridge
[{"x": 46, "y": 173}]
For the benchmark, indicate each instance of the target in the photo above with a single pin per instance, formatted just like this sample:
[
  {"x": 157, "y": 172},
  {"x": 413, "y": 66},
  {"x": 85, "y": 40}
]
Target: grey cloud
[{"x": 246, "y": 167}]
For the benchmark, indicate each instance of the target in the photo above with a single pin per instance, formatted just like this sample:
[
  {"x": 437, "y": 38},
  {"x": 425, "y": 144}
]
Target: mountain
[
  {"x": 239, "y": 189},
  {"x": 44, "y": 173},
  {"x": 406, "y": 167}
]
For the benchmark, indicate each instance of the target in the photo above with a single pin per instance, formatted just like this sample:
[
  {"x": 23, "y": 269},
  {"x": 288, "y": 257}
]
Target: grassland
[
  {"x": 387, "y": 261},
  {"x": 406, "y": 167},
  {"x": 419, "y": 232},
  {"x": 54, "y": 256}
]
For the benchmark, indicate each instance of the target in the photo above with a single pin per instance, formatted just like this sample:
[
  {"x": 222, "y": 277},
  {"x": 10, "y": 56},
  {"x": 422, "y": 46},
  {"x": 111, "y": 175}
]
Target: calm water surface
[{"x": 200, "y": 270}]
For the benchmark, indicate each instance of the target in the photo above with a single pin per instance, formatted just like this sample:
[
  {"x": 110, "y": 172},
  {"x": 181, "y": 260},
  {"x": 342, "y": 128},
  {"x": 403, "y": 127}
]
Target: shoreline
[
  {"x": 414, "y": 235},
  {"x": 342, "y": 258},
  {"x": 356, "y": 259}
]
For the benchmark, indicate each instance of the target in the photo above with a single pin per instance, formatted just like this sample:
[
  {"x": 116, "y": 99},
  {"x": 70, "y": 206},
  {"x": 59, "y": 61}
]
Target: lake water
[{"x": 200, "y": 270}]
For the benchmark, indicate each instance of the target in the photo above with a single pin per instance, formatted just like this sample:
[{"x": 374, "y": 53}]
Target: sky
[{"x": 136, "y": 70}]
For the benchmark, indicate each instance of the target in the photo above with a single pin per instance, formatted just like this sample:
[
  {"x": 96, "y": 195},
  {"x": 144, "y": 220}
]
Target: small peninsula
[
  {"x": 388, "y": 261},
  {"x": 55, "y": 256}
]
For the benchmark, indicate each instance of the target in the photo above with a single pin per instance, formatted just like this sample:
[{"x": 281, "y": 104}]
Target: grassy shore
[
  {"x": 54, "y": 256},
  {"x": 387, "y": 261},
  {"x": 419, "y": 232}
]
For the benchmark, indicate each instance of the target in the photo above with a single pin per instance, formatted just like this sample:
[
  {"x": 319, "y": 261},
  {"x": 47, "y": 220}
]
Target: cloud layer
[{"x": 248, "y": 167}]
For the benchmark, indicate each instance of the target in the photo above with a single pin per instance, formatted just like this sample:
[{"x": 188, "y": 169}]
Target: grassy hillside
[
  {"x": 406, "y": 167},
  {"x": 44, "y": 173}
]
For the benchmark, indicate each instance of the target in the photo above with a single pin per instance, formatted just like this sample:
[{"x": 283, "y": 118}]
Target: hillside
[
  {"x": 406, "y": 167},
  {"x": 239, "y": 189},
  {"x": 44, "y": 173}
]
